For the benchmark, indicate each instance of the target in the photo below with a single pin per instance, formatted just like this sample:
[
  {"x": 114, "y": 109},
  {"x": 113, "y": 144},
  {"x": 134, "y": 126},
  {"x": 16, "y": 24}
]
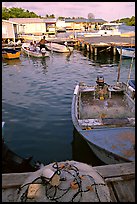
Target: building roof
[
  {"x": 7, "y": 21},
  {"x": 84, "y": 20},
  {"x": 97, "y": 21},
  {"x": 33, "y": 20}
]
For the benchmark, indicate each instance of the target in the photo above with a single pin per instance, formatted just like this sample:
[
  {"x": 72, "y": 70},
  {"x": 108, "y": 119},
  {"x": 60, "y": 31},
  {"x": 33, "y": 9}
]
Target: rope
[{"x": 55, "y": 193}]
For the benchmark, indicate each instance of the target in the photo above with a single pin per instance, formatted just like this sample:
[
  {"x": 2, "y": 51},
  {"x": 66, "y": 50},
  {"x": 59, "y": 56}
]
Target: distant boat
[
  {"x": 104, "y": 115},
  {"x": 37, "y": 53},
  {"x": 56, "y": 47},
  {"x": 127, "y": 52},
  {"x": 9, "y": 53},
  {"x": 107, "y": 29}
]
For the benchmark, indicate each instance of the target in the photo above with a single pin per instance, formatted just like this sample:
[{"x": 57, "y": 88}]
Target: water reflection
[{"x": 13, "y": 62}]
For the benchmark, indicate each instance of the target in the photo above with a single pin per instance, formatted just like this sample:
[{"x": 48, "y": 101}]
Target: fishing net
[{"x": 68, "y": 181}]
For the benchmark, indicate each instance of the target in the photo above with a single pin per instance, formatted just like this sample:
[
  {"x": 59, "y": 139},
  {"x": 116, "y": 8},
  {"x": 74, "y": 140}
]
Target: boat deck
[
  {"x": 120, "y": 179},
  {"x": 114, "y": 107}
]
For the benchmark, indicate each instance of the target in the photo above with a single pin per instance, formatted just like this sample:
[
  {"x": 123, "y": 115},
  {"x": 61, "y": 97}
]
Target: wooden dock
[
  {"x": 104, "y": 43},
  {"x": 120, "y": 179}
]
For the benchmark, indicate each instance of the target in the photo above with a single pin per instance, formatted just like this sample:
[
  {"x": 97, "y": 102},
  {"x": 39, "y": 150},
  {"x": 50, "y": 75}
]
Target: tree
[
  {"x": 91, "y": 16},
  {"x": 5, "y": 13}
]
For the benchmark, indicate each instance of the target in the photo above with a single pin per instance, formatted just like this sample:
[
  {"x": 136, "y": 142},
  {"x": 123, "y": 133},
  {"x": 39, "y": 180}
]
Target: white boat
[
  {"x": 37, "y": 53},
  {"x": 104, "y": 115},
  {"x": 107, "y": 29},
  {"x": 127, "y": 52},
  {"x": 55, "y": 47}
]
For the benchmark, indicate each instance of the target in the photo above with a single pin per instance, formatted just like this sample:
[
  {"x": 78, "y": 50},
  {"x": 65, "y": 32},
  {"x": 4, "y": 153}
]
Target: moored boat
[
  {"x": 12, "y": 162},
  {"x": 127, "y": 52},
  {"x": 107, "y": 29},
  {"x": 9, "y": 53},
  {"x": 55, "y": 47},
  {"x": 132, "y": 83},
  {"x": 104, "y": 115},
  {"x": 37, "y": 53}
]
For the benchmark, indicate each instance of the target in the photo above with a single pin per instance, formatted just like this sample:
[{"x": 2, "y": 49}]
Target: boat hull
[
  {"x": 112, "y": 140},
  {"x": 10, "y": 53},
  {"x": 55, "y": 47},
  {"x": 126, "y": 52},
  {"x": 36, "y": 54}
]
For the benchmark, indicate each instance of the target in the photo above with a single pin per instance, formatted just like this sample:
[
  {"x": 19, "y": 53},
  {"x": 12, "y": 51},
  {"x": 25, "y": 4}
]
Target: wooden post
[
  {"x": 114, "y": 50},
  {"x": 118, "y": 77},
  {"x": 88, "y": 47},
  {"x": 95, "y": 50},
  {"x": 130, "y": 70},
  {"x": 91, "y": 48}
]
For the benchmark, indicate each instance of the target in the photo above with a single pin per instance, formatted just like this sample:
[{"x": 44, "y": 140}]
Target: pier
[
  {"x": 98, "y": 44},
  {"x": 120, "y": 179},
  {"x": 93, "y": 45}
]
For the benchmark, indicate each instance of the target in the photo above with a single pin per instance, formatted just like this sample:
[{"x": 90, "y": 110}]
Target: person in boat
[
  {"x": 31, "y": 47},
  {"x": 66, "y": 44},
  {"x": 42, "y": 43},
  {"x": 35, "y": 44}
]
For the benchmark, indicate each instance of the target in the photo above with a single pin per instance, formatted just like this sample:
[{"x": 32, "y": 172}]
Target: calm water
[{"x": 36, "y": 103}]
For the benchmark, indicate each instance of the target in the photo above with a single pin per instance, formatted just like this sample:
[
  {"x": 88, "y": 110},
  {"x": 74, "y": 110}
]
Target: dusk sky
[{"x": 106, "y": 10}]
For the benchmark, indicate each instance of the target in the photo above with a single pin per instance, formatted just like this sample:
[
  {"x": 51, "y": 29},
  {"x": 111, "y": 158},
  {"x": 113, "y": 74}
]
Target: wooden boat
[
  {"x": 104, "y": 115},
  {"x": 37, "y": 53},
  {"x": 55, "y": 47},
  {"x": 9, "y": 53},
  {"x": 127, "y": 52},
  {"x": 13, "y": 163}
]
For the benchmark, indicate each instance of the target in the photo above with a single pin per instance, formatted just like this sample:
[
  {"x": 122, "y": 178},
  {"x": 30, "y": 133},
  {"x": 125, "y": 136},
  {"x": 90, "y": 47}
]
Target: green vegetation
[
  {"x": 17, "y": 13},
  {"x": 127, "y": 21},
  {"x": 21, "y": 13}
]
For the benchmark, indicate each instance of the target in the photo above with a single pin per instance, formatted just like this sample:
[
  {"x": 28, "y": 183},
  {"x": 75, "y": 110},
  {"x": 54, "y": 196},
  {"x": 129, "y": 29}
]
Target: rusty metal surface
[{"x": 119, "y": 141}]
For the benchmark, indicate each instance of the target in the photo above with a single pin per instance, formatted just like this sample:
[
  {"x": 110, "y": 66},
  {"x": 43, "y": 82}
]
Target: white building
[
  {"x": 9, "y": 29},
  {"x": 35, "y": 26}
]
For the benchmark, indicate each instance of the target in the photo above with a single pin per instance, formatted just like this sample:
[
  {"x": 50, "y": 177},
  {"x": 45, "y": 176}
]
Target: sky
[{"x": 108, "y": 11}]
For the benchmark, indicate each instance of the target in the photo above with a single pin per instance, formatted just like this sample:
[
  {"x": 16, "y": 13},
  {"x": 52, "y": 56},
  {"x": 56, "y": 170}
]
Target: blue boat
[
  {"x": 126, "y": 52},
  {"x": 132, "y": 83},
  {"x": 104, "y": 115}
]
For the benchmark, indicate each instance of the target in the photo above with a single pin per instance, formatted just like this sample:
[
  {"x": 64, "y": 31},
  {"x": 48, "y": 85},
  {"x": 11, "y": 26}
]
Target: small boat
[
  {"x": 127, "y": 52},
  {"x": 104, "y": 115},
  {"x": 132, "y": 83},
  {"x": 12, "y": 162},
  {"x": 55, "y": 47},
  {"x": 9, "y": 53},
  {"x": 107, "y": 29},
  {"x": 37, "y": 53}
]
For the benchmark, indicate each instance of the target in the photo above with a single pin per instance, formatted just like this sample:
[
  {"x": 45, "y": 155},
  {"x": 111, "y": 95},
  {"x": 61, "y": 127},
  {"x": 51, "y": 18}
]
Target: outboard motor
[
  {"x": 100, "y": 80},
  {"x": 43, "y": 51}
]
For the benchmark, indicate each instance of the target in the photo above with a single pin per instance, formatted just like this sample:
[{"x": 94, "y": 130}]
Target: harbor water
[{"x": 36, "y": 102}]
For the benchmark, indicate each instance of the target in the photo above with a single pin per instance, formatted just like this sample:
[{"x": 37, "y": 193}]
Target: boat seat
[{"x": 114, "y": 90}]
